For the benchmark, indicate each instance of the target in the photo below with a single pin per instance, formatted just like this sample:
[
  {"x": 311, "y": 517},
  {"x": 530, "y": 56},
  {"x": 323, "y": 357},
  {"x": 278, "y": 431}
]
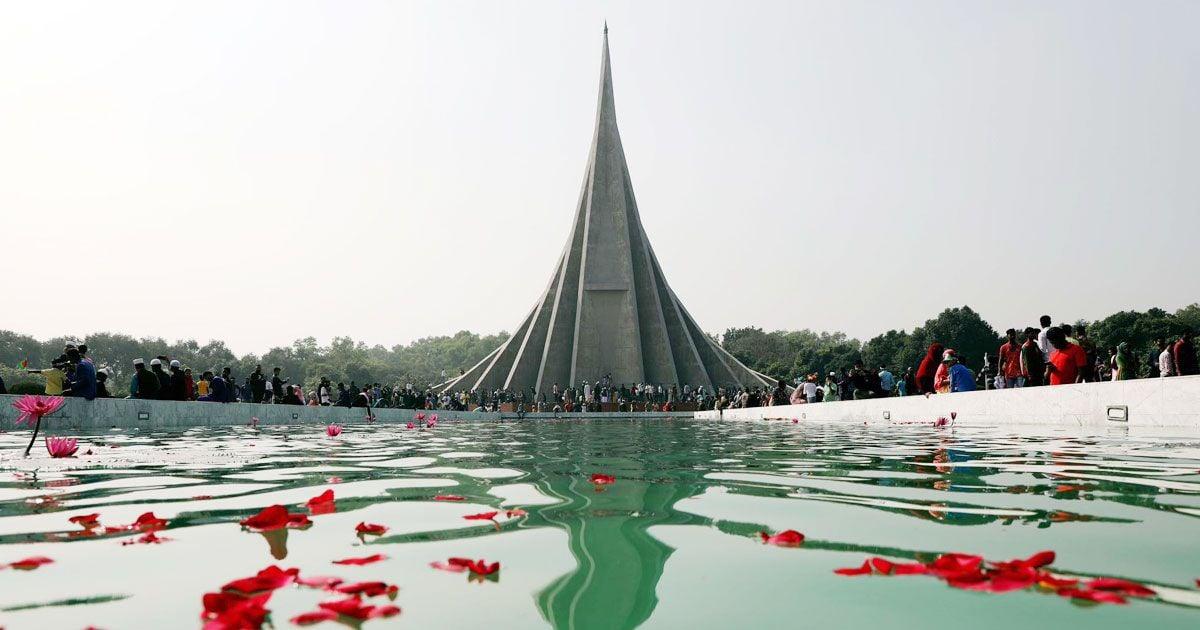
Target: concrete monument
[{"x": 608, "y": 310}]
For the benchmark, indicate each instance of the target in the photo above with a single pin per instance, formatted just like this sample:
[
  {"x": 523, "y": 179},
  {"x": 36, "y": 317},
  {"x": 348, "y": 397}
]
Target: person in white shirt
[
  {"x": 810, "y": 390},
  {"x": 1166, "y": 361},
  {"x": 1043, "y": 340}
]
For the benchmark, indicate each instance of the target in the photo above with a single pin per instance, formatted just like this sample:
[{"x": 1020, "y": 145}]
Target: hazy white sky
[{"x": 262, "y": 171}]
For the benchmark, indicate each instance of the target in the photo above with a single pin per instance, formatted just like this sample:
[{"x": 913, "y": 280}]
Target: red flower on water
[
  {"x": 31, "y": 563},
  {"x": 33, "y": 408},
  {"x": 268, "y": 579},
  {"x": 333, "y": 430},
  {"x": 950, "y": 565},
  {"x": 234, "y": 612},
  {"x": 275, "y": 517},
  {"x": 146, "y": 523},
  {"x": 601, "y": 479},
  {"x": 410, "y": 426},
  {"x": 1117, "y": 585},
  {"x": 865, "y": 569},
  {"x": 361, "y": 561},
  {"x": 322, "y": 582},
  {"x": 785, "y": 538},
  {"x": 458, "y": 565},
  {"x": 149, "y": 538},
  {"x": 368, "y": 589},
  {"x": 449, "y": 497},
  {"x": 322, "y": 503},
  {"x": 86, "y": 521},
  {"x": 482, "y": 516},
  {"x": 316, "y": 616},
  {"x": 353, "y": 607},
  {"x": 61, "y": 447},
  {"x": 371, "y": 529},
  {"x": 420, "y": 417},
  {"x": 884, "y": 566},
  {"x": 1103, "y": 597}
]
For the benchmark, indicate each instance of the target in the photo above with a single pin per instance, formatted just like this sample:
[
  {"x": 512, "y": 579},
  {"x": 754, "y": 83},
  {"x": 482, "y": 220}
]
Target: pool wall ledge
[
  {"x": 1152, "y": 403},
  {"x": 1155, "y": 404}
]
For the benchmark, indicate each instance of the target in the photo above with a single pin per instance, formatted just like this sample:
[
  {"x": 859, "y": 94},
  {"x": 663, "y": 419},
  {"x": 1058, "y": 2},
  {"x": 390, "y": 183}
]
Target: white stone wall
[{"x": 1152, "y": 404}]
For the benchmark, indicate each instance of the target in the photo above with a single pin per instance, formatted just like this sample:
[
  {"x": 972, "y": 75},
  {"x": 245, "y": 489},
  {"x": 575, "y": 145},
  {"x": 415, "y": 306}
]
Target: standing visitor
[
  {"x": 1184, "y": 354},
  {"x": 1166, "y": 359},
  {"x": 258, "y": 384},
  {"x": 83, "y": 376},
  {"x": 1152, "y": 358},
  {"x": 277, "y": 384},
  {"x": 1126, "y": 363},
  {"x": 941, "y": 378},
  {"x": 928, "y": 369},
  {"x": 831, "y": 388},
  {"x": 145, "y": 383},
  {"x": 178, "y": 383},
  {"x": 1043, "y": 341},
  {"x": 1089, "y": 348},
  {"x": 1009, "y": 357},
  {"x": 324, "y": 394},
  {"x": 1067, "y": 361},
  {"x": 907, "y": 385},
  {"x": 164, "y": 379},
  {"x": 887, "y": 382},
  {"x": 189, "y": 385},
  {"x": 810, "y": 389},
  {"x": 1033, "y": 366},
  {"x": 54, "y": 375}
]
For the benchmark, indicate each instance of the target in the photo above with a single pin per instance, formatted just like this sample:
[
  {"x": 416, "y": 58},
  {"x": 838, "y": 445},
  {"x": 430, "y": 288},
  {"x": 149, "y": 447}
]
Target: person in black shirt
[
  {"x": 178, "y": 382},
  {"x": 290, "y": 397},
  {"x": 164, "y": 379},
  {"x": 277, "y": 384},
  {"x": 258, "y": 384}
]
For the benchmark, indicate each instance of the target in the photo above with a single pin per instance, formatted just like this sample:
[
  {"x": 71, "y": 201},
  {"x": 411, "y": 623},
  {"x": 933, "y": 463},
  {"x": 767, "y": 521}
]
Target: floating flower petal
[{"x": 361, "y": 561}]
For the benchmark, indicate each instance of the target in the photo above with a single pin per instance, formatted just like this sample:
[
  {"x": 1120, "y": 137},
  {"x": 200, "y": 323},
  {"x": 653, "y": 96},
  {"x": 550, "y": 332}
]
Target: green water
[{"x": 672, "y": 544}]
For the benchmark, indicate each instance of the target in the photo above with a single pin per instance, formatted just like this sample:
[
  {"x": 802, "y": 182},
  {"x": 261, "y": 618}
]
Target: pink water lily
[
  {"x": 61, "y": 447},
  {"x": 431, "y": 422},
  {"x": 411, "y": 426},
  {"x": 32, "y": 408},
  {"x": 333, "y": 430}
]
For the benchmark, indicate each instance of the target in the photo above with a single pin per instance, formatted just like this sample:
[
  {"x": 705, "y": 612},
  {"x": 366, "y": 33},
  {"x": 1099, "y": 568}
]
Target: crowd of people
[{"x": 1045, "y": 355}]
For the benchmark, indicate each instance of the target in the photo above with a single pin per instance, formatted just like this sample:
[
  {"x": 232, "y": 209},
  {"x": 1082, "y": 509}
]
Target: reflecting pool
[{"x": 674, "y": 542}]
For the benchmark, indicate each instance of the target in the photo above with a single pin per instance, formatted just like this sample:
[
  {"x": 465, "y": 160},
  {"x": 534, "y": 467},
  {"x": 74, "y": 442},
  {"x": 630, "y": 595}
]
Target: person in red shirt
[
  {"x": 1009, "y": 359},
  {"x": 1184, "y": 354},
  {"x": 1066, "y": 361}
]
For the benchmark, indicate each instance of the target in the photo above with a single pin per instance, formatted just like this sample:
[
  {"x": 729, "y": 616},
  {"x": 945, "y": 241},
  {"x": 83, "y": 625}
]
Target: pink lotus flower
[
  {"x": 61, "y": 447},
  {"x": 411, "y": 425},
  {"x": 419, "y": 417},
  {"x": 333, "y": 430},
  {"x": 32, "y": 407},
  {"x": 431, "y": 422},
  {"x": 254, "y": 421}
]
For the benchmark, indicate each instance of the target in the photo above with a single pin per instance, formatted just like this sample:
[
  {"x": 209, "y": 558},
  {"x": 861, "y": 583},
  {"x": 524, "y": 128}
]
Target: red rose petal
[
  {"x": 865, "y": 569},
  {"x": 449, "y": 497},
  {"x": 322, "y": 503},
  {"x": 1103, "y": 597},
  {"x": 322, "y": 582},
  {"x": 785, "y": 538},
  {"x": 314, "y": 617},
  {"x": 1125, "y": 587},
  {"x": 370, "y": 528},
  {"x": 367, "y": 589},
  {"x": 31, "y": 563},
  {"x": 86, "y": 521},
  {"x": 602, "y": 479},
  {"x": 361, "y": 561},
  {"x": 268, "y": 579},
  {"x": 482, "y": 516}
]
